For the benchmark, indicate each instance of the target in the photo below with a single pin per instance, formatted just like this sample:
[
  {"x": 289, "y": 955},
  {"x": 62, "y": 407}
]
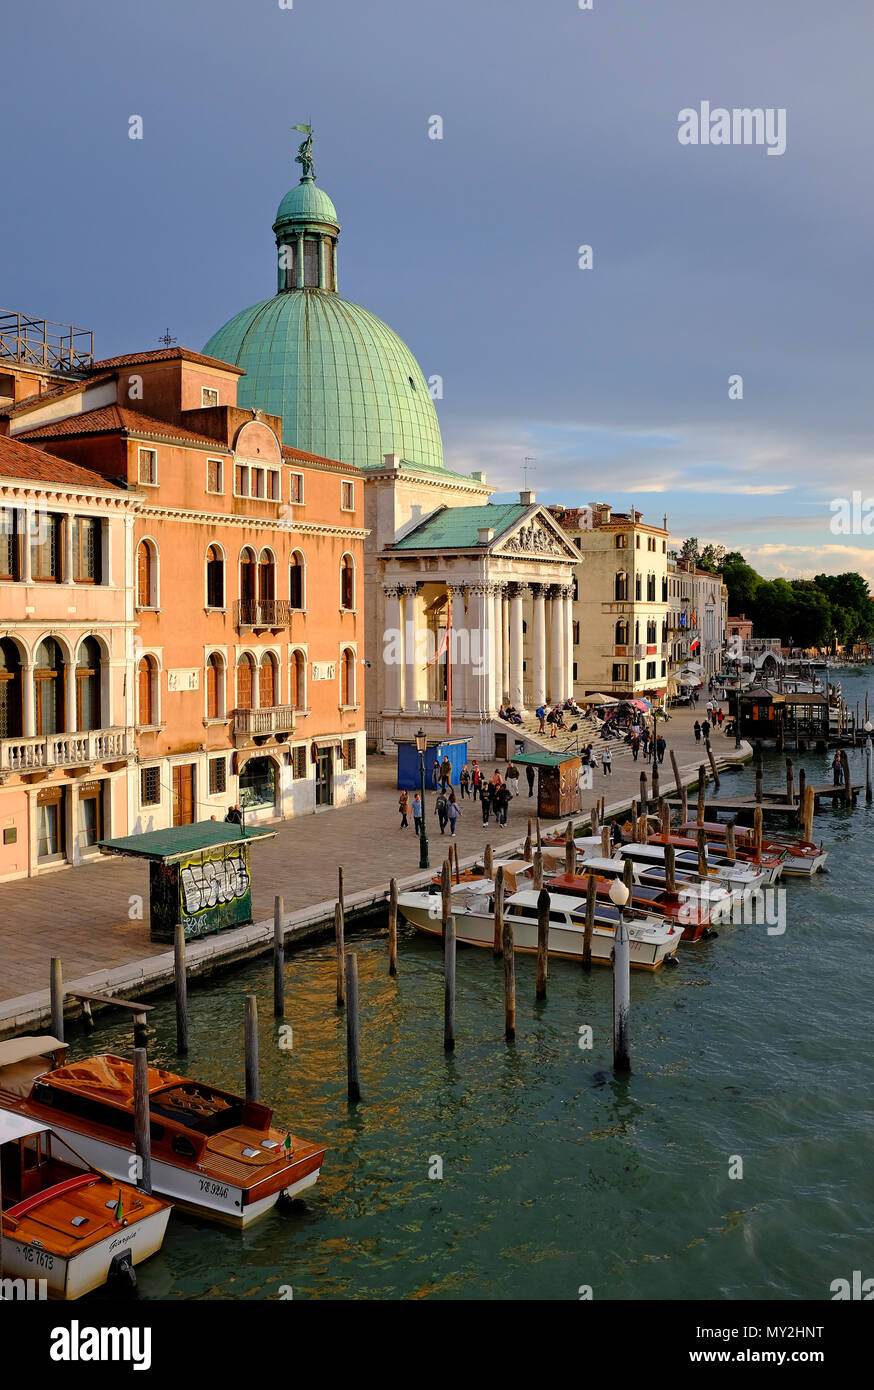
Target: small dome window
[{"x": 412, "y": 383}]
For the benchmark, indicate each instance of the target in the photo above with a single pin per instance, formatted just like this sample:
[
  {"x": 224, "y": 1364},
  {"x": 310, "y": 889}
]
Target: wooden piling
[
  {"x": 340, "y": 942},
  {"x": 634, "y": 822},
  {"x": 655, "y": 779},
  {"x": 353, "y": 1067},
  {"x": 278, "y": 958},
  {"x": 702, "y": 851},
  {"x": 181, "y": 985},
  {"x": 802, "y": 785},
  {"x": 702, "y": 794},
  {"x": 570, "y": 851},
  {"x": 621, "y": 996},
  {"x": 664, "y": 817},
  {"x": 760, "y": 773},
  {"x": 449, "y": 986},
  {"x": 757, "y": 832},
  {"x": 526, "y": 848},
  {"x": 848, "y": 785},
  {"x": 595, "y": 825},
  {"x": 537, "y": 876},
  {"x": 340, "y": 898},
  {"x": 670, "y": 873},
  {"x": 713, "y": 767},
  {"x": 56, "y": 988},
  {"x": 542, "y": 941},
  {"x": 393, "y": 927},
  {"x": 509, "y": 980},
  {"x": 499, "y": 912},
  {"x": 790, "y": 782},
  {"x": 142, "y": 1126},
  {"x": 445, "y": 897},
  {"x": 591, "y": 893},
  {"x": 250, "y": 1033},
  {"x": 605, "y": 842},
  {"x": 867, "y": 759},
  {"x": 628, "y": 876},
  {"x": 488, "y": 862},
  {"x": 677, "y": 787},
  {"x": 537, "y": 827},
  {"x": 684, "y": 806},
  {"x": 453, "y": 850},
  {"x": 644, "y": 800},
  {"x": 808, "y": 807},
  {"x": 730, "y": 849}
]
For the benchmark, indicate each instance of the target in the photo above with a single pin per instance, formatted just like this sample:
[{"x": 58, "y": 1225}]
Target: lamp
[
  {"x": 618, "y": 893},
  {"x": 421, "y": 745},
  {"x": 421, "y": 741},
  {"x": 868, "y": 726}
]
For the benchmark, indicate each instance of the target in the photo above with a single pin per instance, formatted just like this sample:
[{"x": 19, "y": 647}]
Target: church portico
[{"x": 462, "y": 595}]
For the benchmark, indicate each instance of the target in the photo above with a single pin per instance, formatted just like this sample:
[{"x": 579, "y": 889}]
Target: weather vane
[
  {"x": 304, "y": 156},
  {"x": 166, "y": 338}
]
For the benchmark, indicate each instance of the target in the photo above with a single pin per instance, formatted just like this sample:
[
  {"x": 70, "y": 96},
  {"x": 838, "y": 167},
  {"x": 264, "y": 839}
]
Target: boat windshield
[{"x": 197, "y": 1107}]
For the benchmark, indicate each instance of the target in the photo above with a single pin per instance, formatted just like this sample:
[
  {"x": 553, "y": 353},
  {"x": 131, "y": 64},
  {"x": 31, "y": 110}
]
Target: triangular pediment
[{"x": 536, "y": 537}]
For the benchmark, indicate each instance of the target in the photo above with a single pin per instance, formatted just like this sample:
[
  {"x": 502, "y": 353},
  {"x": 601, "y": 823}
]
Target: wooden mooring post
[
  {"x": 509, "y": 980},
  {"x": 655, "y": 779},
  {"x": 730, "y": 842},
  {"x": 644, "y": 800},
  {"x": 684, "y": 806},
  {"x": 676, "y": 771},
  {"x": 445, "y": 899},
  {"x": 537, "y": 875},
  {"x": 353, "y": 1061},
  {"x": 760, "y": 772},
  {"x": 142, "y": 1125},
  {"x": 790, "y": 782},
  {"x": 589, "y": 929},
  {"x": 542, "y": 942},
  {"x": 526, "y": 850},
  {"x": 605, "y": 842},
  {"x": 180, "y": 980},
  {"x": 713, "y": 768},
  {"x": 539, "y": 839},
  {"x": 868, "y": 791},
  {"x": 56, "y": 990},
  {"x": 670, "y": 869},
  {"x": 570, "y": 851},
  {"x": 393, "y": 927},
  {"x": 757, "y": 832},
  {"x": 250, "y": 1035},
  {"x": 702, "y": 794},
  {"x": 848, "y": 781},
  {"x": 702, "y": 852},
  {"x": 807, "y": 809},
  {"x": 488, "y": 862},
  {"x": 278, "y": 958},
  {"x": 621, "y": 996},
  {"x": 497, "y": 942},
  {"x": 449, "y": 986},
  {"x": 595, "y": 823},
  {"x": 340, "y": 943},
  {"x": 664, "y": 817}
]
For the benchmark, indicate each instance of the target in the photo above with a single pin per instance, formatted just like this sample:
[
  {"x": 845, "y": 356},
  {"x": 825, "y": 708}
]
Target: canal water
[{"x": 753, "y": 1057}]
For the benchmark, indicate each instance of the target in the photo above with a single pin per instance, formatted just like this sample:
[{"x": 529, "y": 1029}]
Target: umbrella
[
  {"x": 597, "y": 699},
  {"x": 643, "y": 705}
]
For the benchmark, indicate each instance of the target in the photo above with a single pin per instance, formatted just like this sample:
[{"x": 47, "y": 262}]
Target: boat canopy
[
  {"x": 22, "y": 1049},
  {"x": 15, "y": 1126}
]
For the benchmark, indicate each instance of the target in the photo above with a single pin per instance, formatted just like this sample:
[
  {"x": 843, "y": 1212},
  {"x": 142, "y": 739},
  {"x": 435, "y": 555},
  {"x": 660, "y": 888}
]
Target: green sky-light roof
[
  {"x": 177, "y": 841},
  {"x": 455, "y": 528}
]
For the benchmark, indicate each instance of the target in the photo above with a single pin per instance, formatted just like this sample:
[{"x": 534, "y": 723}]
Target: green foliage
[{"x": 801, "y": 612}]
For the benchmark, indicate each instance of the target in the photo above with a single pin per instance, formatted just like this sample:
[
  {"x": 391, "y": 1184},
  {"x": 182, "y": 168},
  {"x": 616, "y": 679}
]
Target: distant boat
[
  {"x": 213, "y": 1153},
  {"x": 64, "y": 1221},
  {"x": 803, "y": 858}
]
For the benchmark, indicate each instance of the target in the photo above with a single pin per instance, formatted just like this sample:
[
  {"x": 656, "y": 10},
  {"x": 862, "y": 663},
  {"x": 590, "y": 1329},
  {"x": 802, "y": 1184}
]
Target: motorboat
[
  {"x": 739, "y": 878},
  {"x": 714, "y": 898},
  {"x": 212, "y": 1152},
  {"x": 66, "y": 1225},
  {"x": 693, "y": 917},
  {"x": 803, "y": 858},
  {"x": 770, "y": 866},
  {"x": 652, "y": 940}
]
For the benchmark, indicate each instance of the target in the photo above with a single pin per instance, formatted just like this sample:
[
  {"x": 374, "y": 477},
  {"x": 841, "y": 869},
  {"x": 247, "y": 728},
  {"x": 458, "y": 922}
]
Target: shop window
[{"x": 258, "y": 783}]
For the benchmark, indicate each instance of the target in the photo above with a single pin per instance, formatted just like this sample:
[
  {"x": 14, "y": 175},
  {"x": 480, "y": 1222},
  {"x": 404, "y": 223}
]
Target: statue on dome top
[{"x": 304, "y": 156}]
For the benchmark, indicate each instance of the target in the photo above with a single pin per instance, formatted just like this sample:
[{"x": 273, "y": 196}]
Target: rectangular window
[
  {"x": 8, "y": 543},
  {"x": 208, "y": 396},
  {"x": 349, "y": 754},
  {"x": 86, "y": 549},
  {"x": 650, "y": 670},
  {"x": 295, "y": 488},
  {"x": 575, "y": 670},
  {"x": 576, "y": 634},
  {"x": 150, "y": 786},
  {"x": 273, "y": 485},
  {"x": 218, "y": 775},
  {"x": 299, "y": 762},
  {"x": 149, "y": 467},
  {"x": 45, "y": 549},
  {"x": 621, "y": 542},
  {"x": 241, "y": 481},
  {"x": 311, "y": 263},
  {"x": 214, "y": 479},
  {"x": 620, "y": 671},
  {"x": 257, "y": 487},
  {"x": 347, "y": 497},
  {"x": 50, "y": 828}
]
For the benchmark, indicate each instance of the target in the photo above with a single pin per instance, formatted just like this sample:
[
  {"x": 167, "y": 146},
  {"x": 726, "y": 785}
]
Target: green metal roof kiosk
[{"x": 198, "y": 875}]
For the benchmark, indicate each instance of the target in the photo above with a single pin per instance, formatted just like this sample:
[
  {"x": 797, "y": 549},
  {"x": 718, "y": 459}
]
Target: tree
[
  {"x": 852, "y": 609},
  {"x": 689, "y": 549},
  {"x": 742, "y": 583},
  {"x": 711, "y": 558}
]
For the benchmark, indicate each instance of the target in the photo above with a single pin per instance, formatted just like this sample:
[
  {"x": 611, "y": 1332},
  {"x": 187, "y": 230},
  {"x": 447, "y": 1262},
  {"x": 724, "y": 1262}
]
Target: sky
[{"x": 559, "y": 130}]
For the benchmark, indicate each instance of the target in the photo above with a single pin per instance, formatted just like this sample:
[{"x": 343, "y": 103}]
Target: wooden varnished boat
[
  {"x": 65, "y": 1222},
  {"x": 693, "y": 918},
  {"x": 768, "y": 866},
  {"x": 213, "y": 1153},
  {"x": 803, "y": 858}
]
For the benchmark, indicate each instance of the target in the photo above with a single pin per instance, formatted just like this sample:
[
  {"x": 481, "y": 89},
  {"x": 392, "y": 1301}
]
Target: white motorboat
[
  {"x": 651, "y": 939},
  {"x": 739, "y": 878},
  {"x": 714, "y": 898}
]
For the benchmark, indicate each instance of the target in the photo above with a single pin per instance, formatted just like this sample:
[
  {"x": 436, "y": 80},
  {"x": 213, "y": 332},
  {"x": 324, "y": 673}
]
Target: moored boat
[
  {"x": 803, "y": 858},
  {"x": 66, "y": 1223},
  {"x": 692, "y": 917},
  {"x": 770, "y": 866},
  {"x": 740, "y": 879},
  {"x": 213, "y": 1153}
]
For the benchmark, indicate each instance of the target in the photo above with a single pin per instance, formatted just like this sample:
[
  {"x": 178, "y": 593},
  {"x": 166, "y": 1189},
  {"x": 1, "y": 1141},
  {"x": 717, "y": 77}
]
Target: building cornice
[{"x": 297, "y": 528}]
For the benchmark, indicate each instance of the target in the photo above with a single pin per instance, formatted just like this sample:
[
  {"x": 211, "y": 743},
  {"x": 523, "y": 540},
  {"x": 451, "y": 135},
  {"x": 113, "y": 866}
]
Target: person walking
[
  {"x": 705, "y": 729},
  {"x": 485, "y": 796},
  {"x": 635, "y": 746},
  {"x": 445, "y": 773},
  {"x": 720, "y": 715},
  {"x": 512, "y": 779},
  {"x": 464, "y": 781},
  {"x": 502, "y": 801},
  {"x": 661, "y": 745},
  {"x": 417, "y": 813},
  {"x": 607, "y": 762},
  {"x": 476, "y": 777},
  {"x": 541, "y": 715},
  {"x": 529, "y": 773},
  {"x": 453, "y": 812},
  {"x": 435, "y": 775},
  {"x": 404, "y": 808},
  {"x": 697, "y": 730},
  {"x": 441, "y": 806}
]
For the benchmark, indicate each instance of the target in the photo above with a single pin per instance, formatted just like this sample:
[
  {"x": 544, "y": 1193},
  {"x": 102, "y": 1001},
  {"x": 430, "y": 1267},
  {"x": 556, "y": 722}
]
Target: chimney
[
  {"x": 485, "y": 534},
  {"x": 391, "y": 460},
  {"x": 527, "y": 499}
]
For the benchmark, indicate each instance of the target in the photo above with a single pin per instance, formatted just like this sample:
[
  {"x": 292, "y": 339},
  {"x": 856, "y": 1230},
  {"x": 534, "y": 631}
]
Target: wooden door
[{"x": 183, "y": 794}]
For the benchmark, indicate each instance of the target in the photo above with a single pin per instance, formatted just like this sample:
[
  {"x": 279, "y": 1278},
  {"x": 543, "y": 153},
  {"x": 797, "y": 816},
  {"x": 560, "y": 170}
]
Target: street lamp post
[{"x": 421, "y": 745}]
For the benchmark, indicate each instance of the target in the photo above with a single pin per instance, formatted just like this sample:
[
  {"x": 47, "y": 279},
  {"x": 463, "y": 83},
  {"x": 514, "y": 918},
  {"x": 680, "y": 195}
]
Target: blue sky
[{"x": 560, "y": 129}]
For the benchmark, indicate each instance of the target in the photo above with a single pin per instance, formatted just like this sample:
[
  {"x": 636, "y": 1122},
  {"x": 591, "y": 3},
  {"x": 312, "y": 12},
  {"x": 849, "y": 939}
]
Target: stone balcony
[
  {"x": 264, "y": 615},
  {"x": 268, "y": 722},
  {"x": 47, "y": 751}
]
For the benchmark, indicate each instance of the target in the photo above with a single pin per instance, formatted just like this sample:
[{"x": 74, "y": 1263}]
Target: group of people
[
  {"x": 494, "y": 794},
  {"x": 510, "y": 713},
  {"x": 644, "y": 740}
]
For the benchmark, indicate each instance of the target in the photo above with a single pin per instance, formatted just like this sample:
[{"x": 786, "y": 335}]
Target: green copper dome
[{"x": 345, "y": 385}]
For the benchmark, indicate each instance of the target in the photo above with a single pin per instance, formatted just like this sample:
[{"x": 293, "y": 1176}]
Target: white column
[
  {"x": 459, "y": 665},
  {"x": 569, "y": 638},
  {"x": 70, "y": 694},
  {"x": 28, "y": 699},
  {"x": 410, "y": 681},
  {"x": 497, "y": 647},
  {"x": 67, "y": 543},
  {"x": 516, "y": 687},
  {"x": 478, "y": 603},
  {"x": 394, "y": 669},
  {"x": 538, "y": 647},
  {"x": 556, "y": 665},
  {"x": 505, "y": 644}
]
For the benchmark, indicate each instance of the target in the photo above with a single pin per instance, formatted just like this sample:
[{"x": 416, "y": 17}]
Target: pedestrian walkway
[{"x": 89, "y": 916}]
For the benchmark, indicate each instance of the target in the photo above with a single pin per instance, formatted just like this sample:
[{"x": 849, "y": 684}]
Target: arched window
[
  {"x": 650, "y": 588},
  {"x": 10, "y": 689},
  {"x": 147, "y": 575},
  {"x": 147, "y": 694},
  {"x": 296, "y": 681},
  {"x": 215, "y": 578},
  {"x": 347, "y": 678},
  {"x": 248, "y": 586},
  {"x": 215, "y": 687},
  {"x": 245, "y": 681},
  {"x": 347, "y": 582},
  {"x": 266, "y": 576},
  {"x": 622, "y": 633},
  {"x": 295, "y": 580},
  {"x": 267, "y": 682},
  {"x": 88, "y": 714},
  {"x": 49, "y": 688},
  {"x": 621, "y": 587}
]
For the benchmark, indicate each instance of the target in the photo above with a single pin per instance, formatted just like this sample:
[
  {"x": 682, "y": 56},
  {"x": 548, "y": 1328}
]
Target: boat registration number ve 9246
[{"x": 214, "y": 1189}]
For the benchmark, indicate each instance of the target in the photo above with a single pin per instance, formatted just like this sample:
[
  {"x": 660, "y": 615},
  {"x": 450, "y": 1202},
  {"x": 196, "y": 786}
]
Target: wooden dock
[{"x": 773, "y": 803}]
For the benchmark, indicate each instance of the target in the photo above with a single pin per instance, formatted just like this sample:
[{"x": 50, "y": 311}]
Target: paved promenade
[{"x": 82, "y": 915}]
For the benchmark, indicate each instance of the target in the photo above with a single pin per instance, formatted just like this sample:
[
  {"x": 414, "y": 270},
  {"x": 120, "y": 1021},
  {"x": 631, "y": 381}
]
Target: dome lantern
[{"x": 306, "y": 230}]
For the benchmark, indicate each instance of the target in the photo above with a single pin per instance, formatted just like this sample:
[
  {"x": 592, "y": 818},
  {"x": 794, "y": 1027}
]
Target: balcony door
[{"x": 49, "y": 688}]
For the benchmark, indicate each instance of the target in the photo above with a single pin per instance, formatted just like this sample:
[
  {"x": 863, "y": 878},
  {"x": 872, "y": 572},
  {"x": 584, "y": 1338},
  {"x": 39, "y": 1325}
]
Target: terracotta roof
[
  {"x": 67, "y": 388},
  {"x": 317, "y": 461},
  {"x": 130, "y": 359},
  {"x": 18, "y": 460},
  {"x": 109, "y": 419}
]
